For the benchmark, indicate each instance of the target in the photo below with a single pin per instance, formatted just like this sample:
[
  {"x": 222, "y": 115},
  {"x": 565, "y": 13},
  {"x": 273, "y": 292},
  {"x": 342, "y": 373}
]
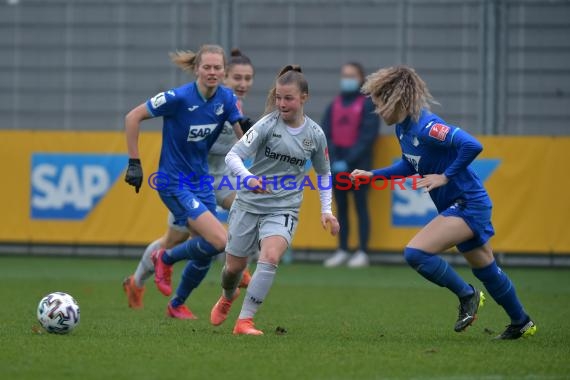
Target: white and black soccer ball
[{"x": 58, "y": 313}]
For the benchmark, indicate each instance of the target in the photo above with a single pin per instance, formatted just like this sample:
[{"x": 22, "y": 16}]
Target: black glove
[
  {"x": 134, "y": 174},
  {"x": 246, "y": 123}
]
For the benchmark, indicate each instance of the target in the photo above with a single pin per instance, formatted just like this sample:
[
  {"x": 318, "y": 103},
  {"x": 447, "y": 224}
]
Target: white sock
[
  {"x": 145, "y": 269},
  {"x": 258, "y": 288}
]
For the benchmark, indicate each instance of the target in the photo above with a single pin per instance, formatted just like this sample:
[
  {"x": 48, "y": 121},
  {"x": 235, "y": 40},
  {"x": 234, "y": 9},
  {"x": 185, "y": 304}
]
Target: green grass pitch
[{"x": 383, "y": 322}]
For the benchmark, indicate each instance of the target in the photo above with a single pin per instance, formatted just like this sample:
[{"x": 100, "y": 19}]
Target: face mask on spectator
[{"x": 349, "y": 85}]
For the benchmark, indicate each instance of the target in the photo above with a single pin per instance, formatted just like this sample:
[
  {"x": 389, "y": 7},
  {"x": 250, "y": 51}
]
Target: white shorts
[{"x": 247, "y": 230}]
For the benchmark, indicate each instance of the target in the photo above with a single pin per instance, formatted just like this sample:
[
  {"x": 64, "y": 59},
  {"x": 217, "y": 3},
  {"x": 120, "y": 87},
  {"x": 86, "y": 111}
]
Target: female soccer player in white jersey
[
  {"x": 266, "y": 216},
  {"x": 441, "y": 153},
  {"x": 239, "y": 76},
  {"x": 193, "y": 117}
]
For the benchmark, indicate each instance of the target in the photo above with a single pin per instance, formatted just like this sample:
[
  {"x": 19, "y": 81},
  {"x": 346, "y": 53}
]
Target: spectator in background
[{"x": 351, "y": 127}]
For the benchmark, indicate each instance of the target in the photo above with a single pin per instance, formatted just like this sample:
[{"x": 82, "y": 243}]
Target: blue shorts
[
  {"x": 478, "y": 218},
  {"x": 184, "y": 205}
]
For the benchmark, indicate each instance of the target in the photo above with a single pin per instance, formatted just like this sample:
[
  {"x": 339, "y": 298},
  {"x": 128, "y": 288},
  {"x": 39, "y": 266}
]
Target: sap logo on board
[
  {"x": 69, "y": 186},
  {"x": 414, "y": 208}
]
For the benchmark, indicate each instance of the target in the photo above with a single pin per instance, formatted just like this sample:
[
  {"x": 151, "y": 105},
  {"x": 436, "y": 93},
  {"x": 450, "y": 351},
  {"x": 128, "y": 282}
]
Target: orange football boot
[
  {"x": 245, "y": 279},
  {"x": 221, "y": 309},
  {"x": 134, "y": 293},
  {"x": 245, "y": 326}
]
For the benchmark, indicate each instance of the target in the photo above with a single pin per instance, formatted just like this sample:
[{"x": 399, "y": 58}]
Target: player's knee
[
  {"x": 235, "y": 265},
  {"x": 218, "y": 241},
  {"x": 271, "y": 255},
  {"x": 415, "y": 257}
]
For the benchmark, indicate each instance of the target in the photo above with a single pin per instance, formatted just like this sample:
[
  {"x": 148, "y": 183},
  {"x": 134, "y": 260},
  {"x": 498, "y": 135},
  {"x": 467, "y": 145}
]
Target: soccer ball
[{"x": 58, "y": 313}]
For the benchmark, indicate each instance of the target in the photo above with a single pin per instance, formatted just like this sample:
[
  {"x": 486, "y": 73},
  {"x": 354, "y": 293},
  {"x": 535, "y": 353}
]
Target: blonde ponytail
[
  {"x": 185, "y": 59},
  {"x": 188, "y": 61}
]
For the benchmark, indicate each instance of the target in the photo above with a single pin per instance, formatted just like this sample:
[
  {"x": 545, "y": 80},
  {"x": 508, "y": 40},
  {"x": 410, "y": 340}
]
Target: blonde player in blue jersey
[
  {"x": 441, "y": 153},
  {"x": 193, "y": 117},
  {"x": 265, "y": 214},
  {"x": 239, "y": 76}
]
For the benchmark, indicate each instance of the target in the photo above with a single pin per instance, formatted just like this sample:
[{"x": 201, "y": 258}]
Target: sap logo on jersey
[
  {"x": 200, "y": 132},
  {"x": 414, "y": 208},
  {"x": 69, "y": 186}
]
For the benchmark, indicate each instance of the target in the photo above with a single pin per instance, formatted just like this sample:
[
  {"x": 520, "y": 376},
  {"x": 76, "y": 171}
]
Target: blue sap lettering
[{"x": 68, "y": 186}]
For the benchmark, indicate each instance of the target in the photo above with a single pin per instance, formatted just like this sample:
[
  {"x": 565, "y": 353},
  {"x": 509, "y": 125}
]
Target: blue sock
[
  {"x": 193, "y": 274},
  {"x": 437, "y": 270},
  {"x": 502, "y": 290},
  {"x": 196, "y": 248}
]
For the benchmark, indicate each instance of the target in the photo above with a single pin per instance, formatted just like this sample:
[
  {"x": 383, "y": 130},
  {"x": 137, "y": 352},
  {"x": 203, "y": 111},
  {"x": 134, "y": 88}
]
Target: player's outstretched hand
[
  {"x": 257, "y": 186},
  {"x": 360, "y": 173},
  {"x": 330, "y": 220},
  {"x": 432, "y": 181},
  {"x": 134, "y": 175}
]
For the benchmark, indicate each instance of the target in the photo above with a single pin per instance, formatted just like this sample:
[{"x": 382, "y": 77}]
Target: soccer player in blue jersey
[
  {"x": 239, "y": 76},
  {"x": 441, "y": 153},
  {"x": 193, "y": 117}
]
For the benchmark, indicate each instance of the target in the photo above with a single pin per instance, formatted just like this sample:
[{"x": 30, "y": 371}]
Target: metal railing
[{"x": 496, "y": 66}]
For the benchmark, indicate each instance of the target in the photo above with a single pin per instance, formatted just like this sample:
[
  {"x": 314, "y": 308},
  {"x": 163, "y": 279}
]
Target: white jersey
[
  {"x": 283, "y": 159},
  {"x": 224, "y": 143}
]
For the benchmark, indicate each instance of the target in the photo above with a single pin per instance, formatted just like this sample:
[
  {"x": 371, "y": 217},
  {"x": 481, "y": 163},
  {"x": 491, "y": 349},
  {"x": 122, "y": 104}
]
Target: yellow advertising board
[{"x": 68, "y": 188}]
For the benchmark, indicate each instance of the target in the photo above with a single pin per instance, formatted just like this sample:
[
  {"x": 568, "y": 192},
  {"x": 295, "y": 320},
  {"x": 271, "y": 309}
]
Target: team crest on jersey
[
  {"x": 158, "y": 100},
  {"x": 194, "y": 204},
  {"x": 307, "y": 144},
  {"x": 219, "y": 109},
  {"x": 249, "y": 137},
  {"x": 439, "y": 131},
  {"x": 200, "y": 132}
]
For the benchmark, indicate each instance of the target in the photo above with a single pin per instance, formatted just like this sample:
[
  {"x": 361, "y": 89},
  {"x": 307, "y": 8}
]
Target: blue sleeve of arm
[
  {"x": 163, "y": 103},
  {"x": 234, "y": 114},
  {"x": 467, "y": 149},
  {"x": 402, "y": 168}
]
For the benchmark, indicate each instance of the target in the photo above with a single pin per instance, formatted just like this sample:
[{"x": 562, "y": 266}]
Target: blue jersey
[
  {"x": 431, "y": 146},
  {"x": 191, "y": 124}
]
